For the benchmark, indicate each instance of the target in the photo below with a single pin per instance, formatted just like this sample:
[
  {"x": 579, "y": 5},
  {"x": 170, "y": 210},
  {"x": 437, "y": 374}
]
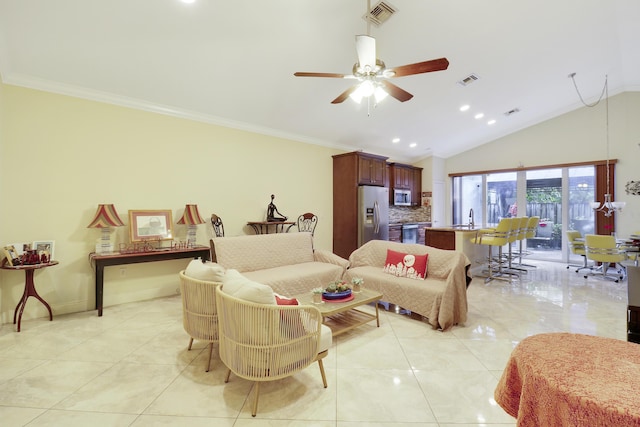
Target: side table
[
  {"x": 262, "y": 227},
  {"x": 29, "y": 288}
]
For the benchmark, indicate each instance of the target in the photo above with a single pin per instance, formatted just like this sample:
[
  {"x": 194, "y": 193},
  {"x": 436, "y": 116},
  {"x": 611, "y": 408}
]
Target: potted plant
[
  {"x": 357, "y": 283},
  {"x": 317, "y": 295}
]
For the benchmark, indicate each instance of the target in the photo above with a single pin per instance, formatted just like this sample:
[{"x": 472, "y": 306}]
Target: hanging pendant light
[{"x": 609, "y": 207}]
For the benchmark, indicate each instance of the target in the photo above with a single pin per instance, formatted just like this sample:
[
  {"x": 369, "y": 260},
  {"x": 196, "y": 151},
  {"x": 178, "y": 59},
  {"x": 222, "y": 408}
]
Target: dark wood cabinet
[
  {"x": 442, "y": 239},
  {"x": 421, "y": 232},
  {"x": 402, "y": 177},
  {"x": 406, "y": 177},
  {"x": 372, "y": 169},
  {"x": 349, "y": 171},
  {"x": 395, "y": 233},
  {"x": 416, "y": 189}
]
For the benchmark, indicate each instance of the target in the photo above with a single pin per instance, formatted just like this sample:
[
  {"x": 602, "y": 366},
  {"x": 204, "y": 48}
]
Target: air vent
[
  {"x": 380, "y": 13},
  {"x": 512, "y": 112},
  {"x": 468, "y": 80}
]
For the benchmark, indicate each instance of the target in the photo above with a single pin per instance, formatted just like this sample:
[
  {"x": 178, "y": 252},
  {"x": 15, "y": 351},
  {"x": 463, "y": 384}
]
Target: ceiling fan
[{"x": 372, "y": 74}]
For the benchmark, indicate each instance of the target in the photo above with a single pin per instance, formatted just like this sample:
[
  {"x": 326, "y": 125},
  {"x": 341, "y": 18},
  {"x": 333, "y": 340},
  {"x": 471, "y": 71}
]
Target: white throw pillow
[
  {"x": 208, "y": 271},
  {"x": 235, "y": 284}
]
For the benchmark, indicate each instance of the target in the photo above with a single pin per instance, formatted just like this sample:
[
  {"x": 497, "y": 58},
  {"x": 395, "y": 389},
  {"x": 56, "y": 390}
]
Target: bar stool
[
  {"x": 499, "y": 237},
  {"x": 519, "y": 235}
]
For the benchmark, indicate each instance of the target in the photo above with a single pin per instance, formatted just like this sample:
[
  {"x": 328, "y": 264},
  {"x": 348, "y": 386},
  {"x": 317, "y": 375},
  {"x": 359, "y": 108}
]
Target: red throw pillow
[
  {"x": 290, "y": 322},
  {"x": 285, "y": 301},
  {"x": 406, "y": 265}
]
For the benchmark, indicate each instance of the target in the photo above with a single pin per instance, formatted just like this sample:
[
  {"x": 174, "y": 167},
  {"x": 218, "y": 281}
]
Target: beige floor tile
[
  {"x": 131, "y": 366},
  {"x": 18, "y": 417},
  {"x": 124, "y": 388},
  {"x": 381, "y": 396},
  {"x": 55, "y": 418},
  {"x": 49, "y": 383}
]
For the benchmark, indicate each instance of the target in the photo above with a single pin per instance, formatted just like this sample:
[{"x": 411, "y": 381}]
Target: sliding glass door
[{"x": 559, "y": 196}]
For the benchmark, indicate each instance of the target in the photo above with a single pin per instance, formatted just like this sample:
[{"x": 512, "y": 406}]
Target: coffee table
[{"x": 344, "y": 316}]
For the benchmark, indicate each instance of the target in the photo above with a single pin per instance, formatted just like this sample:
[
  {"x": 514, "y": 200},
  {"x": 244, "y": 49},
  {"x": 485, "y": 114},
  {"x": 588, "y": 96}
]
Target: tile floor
[{"x": 131, "y": 366}]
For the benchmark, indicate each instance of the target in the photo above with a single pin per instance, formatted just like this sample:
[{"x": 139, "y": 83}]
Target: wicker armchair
[
  {"x": 264, "y": 342},
  {"x": 199, "y": 314}
]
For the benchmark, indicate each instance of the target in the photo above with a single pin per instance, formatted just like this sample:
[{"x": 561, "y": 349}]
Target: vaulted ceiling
[{"x": 232, "y": 63}]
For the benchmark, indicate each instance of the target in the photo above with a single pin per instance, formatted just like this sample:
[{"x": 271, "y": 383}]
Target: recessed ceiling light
[
  {"x": 465, "y": 107},
  {"x": 188, "y": 1},
  {"x": 478, "y": 116},
  {"x": 413, "y": 145},
  {"x": 395, "y": 140},
  {"x": 491, "y": 122}
]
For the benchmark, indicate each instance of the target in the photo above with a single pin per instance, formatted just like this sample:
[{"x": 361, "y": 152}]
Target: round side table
[{"x": 29, "y": 288}]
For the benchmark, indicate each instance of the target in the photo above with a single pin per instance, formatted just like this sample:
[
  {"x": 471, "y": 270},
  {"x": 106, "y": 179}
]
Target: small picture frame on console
[{"x": 150, "y": 225}]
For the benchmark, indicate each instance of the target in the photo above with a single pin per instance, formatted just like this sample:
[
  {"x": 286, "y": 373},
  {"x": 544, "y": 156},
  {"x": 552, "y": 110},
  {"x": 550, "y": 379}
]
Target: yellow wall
[{"x": 61, "y": 156}]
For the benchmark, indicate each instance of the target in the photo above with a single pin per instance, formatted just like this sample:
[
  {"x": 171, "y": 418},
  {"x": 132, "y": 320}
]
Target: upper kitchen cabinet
[
  {"x": 407, "y": 178},
  {"x": 372, "y": 169}
]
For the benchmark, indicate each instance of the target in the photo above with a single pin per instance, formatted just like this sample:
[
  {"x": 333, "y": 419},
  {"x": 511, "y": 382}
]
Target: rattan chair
[
  {"x": 264, "y": 342},
  {"x": 604, "y": 249},
  {"x": 307, "y": 222},
  {"x": 199, "y": 314}
]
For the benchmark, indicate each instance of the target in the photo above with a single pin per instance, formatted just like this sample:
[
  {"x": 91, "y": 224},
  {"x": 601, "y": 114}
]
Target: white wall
[
  {"x": 62, "y": 156},
  {"x": 578, "y": 136}
]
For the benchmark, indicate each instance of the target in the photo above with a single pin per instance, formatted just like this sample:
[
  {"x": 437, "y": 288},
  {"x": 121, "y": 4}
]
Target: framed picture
[
  {"x": 13, "y": 258},
  {"x": 44, "y": 246},
  {"x": 150, "y": 225}
]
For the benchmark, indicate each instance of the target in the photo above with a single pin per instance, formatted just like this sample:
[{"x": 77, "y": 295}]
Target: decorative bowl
[{"x": 336, "y": 295}]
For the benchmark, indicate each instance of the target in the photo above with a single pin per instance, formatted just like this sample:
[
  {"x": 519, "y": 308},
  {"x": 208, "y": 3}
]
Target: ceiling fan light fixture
[
  {"x": 380, "y": 94},
  {"x": 366, "y": 88},
  {"x": 356, "y": 96}
]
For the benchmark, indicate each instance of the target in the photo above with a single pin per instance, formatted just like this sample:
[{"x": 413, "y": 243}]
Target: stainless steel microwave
[{"x": 402, "y": 197}]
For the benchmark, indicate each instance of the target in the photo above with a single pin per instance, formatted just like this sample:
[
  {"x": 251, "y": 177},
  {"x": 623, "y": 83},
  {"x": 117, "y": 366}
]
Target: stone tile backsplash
[{"x": 409, "y": 214}]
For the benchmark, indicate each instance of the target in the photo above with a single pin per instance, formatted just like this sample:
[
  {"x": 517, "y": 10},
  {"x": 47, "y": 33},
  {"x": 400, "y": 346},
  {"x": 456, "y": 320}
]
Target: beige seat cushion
[
  {"x": 235, "y": 284},
  {"x": 207, "y": 271}
]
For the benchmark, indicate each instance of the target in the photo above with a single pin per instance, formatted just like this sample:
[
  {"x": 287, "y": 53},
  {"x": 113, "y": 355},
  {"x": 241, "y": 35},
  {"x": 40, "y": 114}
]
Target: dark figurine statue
[{"x": 272, "y": 211}]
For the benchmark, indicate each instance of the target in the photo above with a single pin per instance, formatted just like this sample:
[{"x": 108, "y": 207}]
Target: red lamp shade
[
  {"x": 191, "y": 216},
  {"x": 106, "y": 216}
]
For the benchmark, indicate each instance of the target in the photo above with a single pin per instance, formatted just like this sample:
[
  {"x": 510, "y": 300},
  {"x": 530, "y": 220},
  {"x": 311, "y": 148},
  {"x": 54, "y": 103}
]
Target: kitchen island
[{"x": 457, "y": 239}]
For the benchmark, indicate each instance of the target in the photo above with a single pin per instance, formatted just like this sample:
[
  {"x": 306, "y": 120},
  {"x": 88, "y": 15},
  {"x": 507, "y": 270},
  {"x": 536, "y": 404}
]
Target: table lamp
[
  {"x": 106, "y": 217},
  {"x": 191, "y": 218}
]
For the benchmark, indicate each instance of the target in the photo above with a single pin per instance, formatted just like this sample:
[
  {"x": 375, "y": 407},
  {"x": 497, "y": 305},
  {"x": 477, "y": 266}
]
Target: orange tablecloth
[{"x": 563, "y": 379}]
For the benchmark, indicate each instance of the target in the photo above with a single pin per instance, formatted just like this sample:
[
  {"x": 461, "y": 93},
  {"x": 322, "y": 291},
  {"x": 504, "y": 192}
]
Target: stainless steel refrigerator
[{"x": 373, "y": 214}]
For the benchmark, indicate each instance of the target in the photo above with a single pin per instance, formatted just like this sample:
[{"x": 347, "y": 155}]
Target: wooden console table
[
  {"x": 262, "y": 227},
  {"x": 29, "y": 288},
  {"x": 102, "y": 261}
]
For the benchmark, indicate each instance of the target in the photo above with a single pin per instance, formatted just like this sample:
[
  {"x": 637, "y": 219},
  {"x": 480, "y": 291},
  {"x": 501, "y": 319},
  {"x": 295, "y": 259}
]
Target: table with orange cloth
[{"x": 563, "y": 379}]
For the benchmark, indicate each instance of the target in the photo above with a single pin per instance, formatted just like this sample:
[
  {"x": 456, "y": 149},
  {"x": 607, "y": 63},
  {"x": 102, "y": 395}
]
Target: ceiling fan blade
[
  {"x": 420, "y": 67},
  {"x": 366, "y": 48},
  {"x": 306, "y": 74},
  {"x": 344, "y": 95},
  {"x": 393, "y": 90}
]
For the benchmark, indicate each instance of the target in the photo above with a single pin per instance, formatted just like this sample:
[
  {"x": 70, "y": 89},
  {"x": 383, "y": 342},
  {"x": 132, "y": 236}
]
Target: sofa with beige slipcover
[
  {"x": 287, "y": 262},
  {"x": 441, "y": 297}
]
